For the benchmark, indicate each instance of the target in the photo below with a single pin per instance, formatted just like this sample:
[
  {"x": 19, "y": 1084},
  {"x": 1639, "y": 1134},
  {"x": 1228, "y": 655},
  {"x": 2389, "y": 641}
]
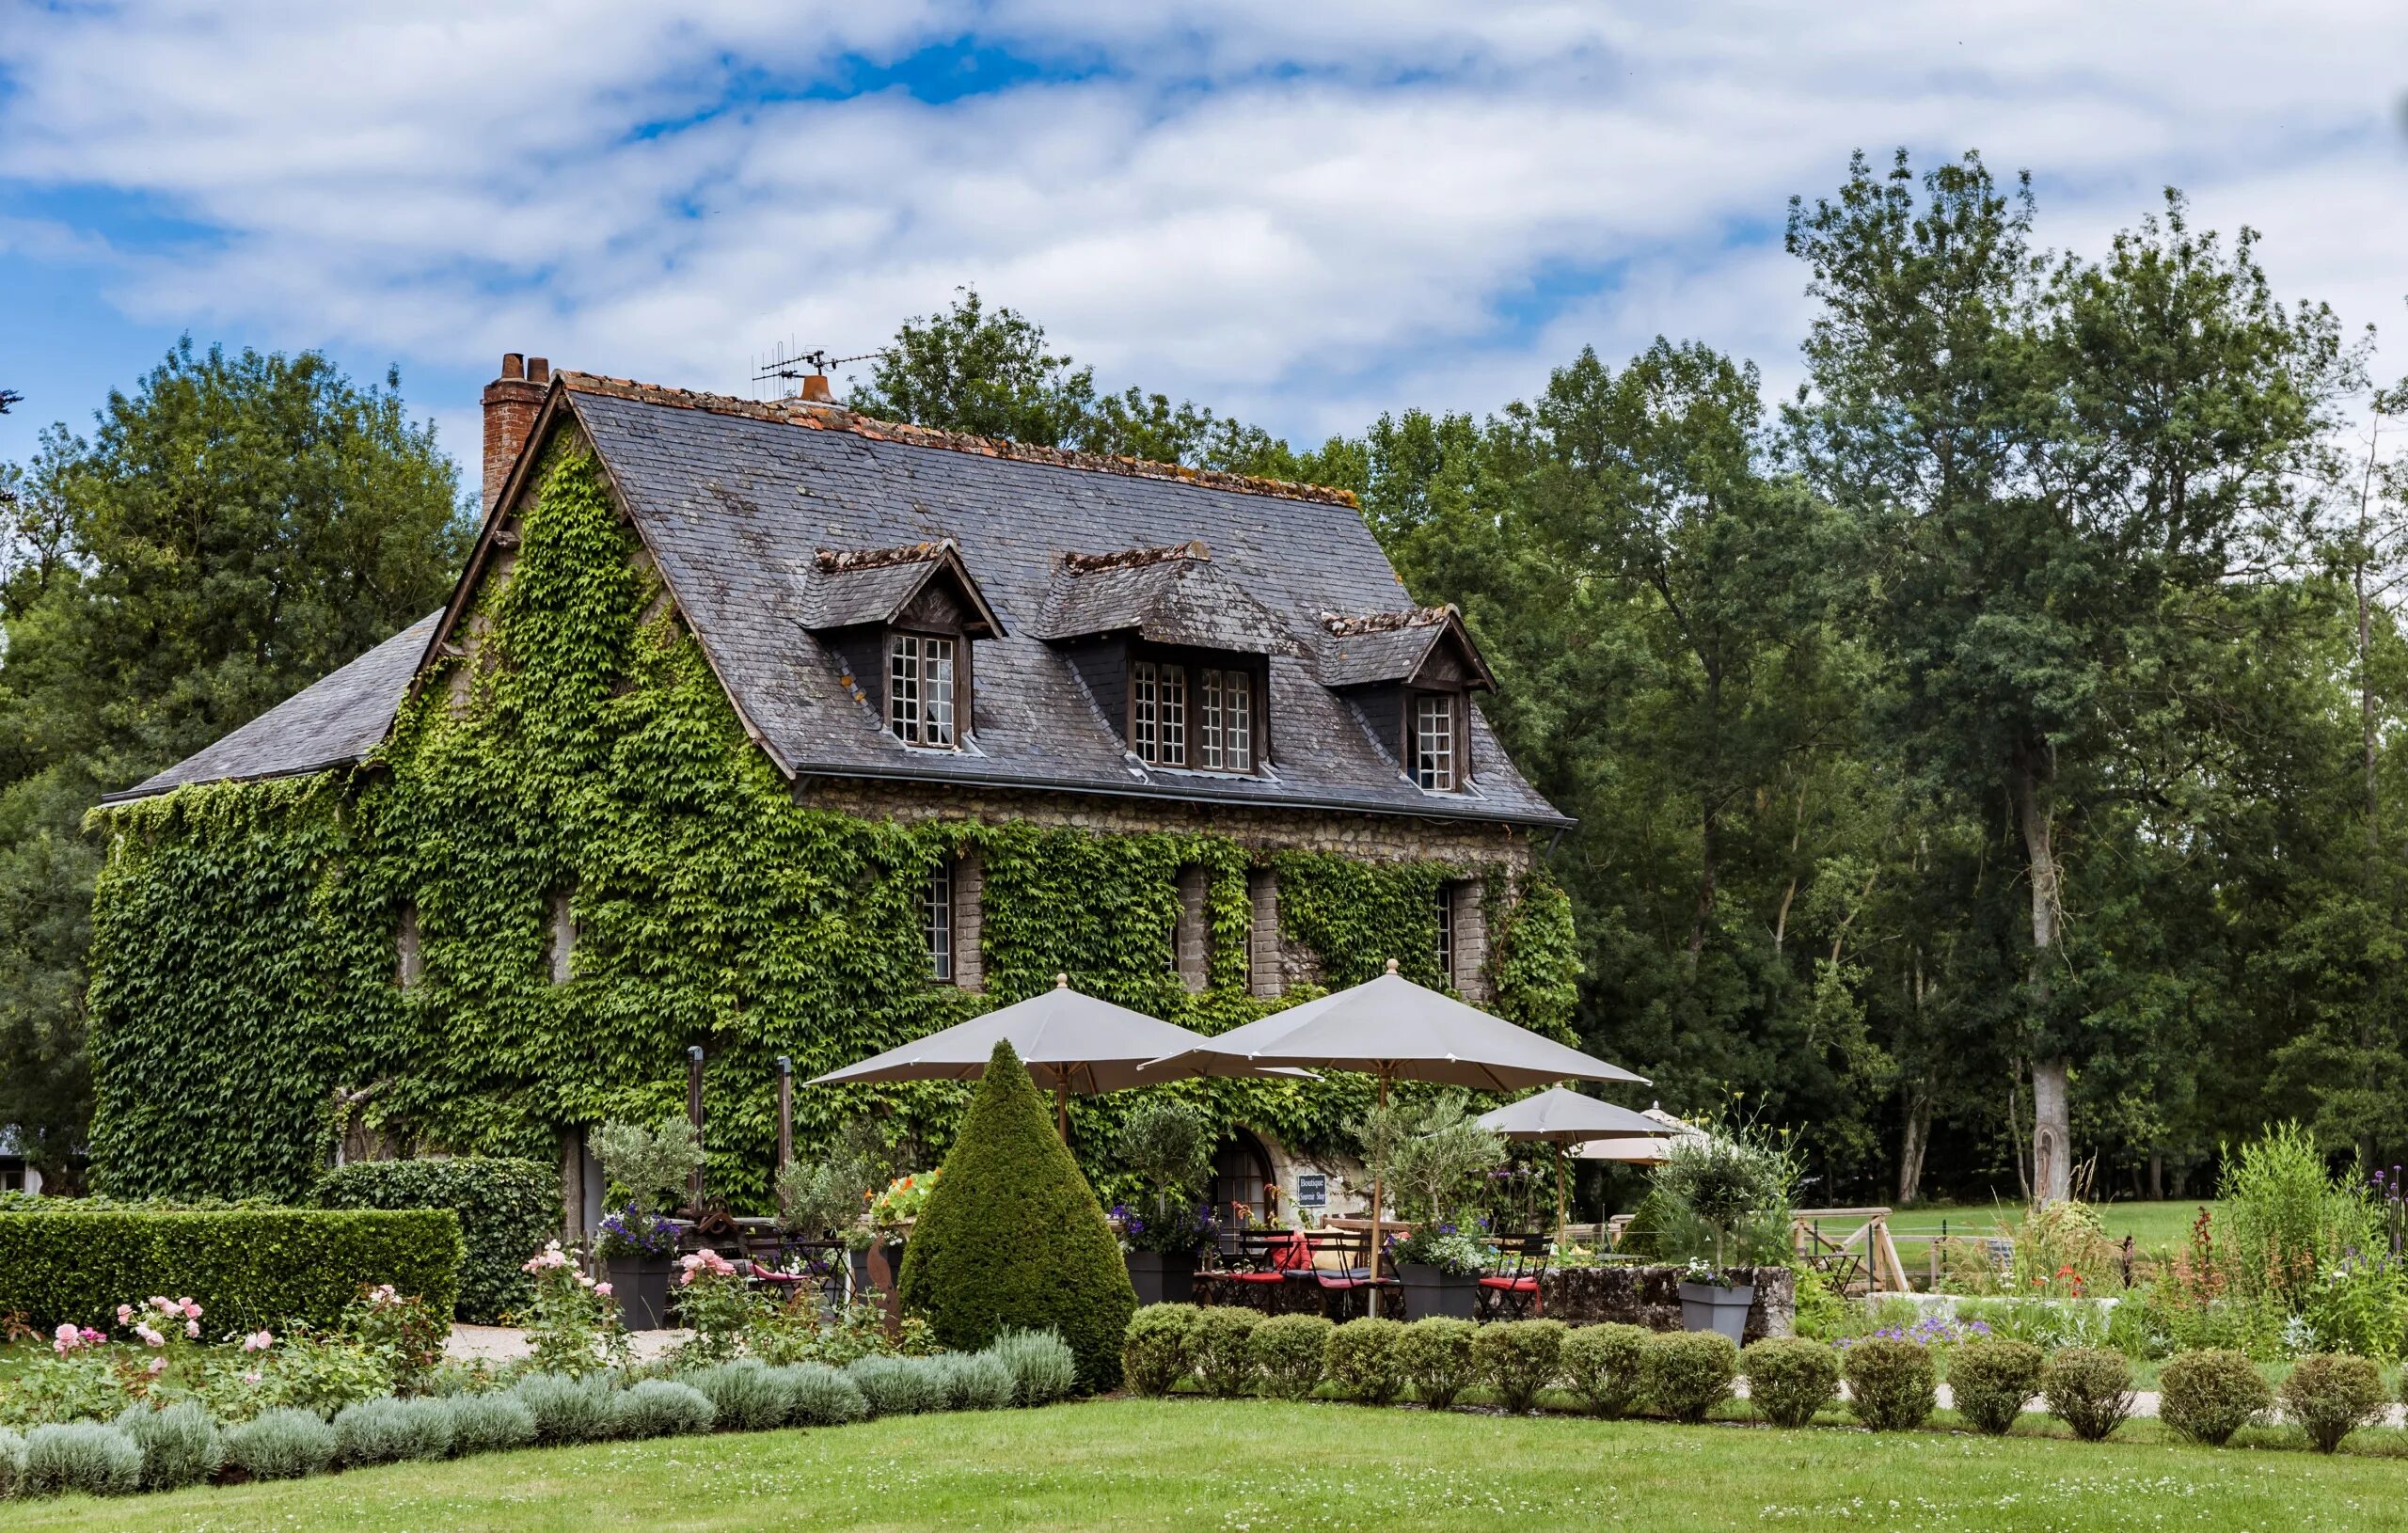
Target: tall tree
[
  {"x": 233, "y": 530},
  {"x": 2062, "y": 466}
]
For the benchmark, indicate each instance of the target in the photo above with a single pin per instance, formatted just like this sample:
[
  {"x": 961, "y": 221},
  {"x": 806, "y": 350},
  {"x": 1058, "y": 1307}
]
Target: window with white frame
[
  {"x": 1447, "y": 933},
  {"x": 1158, "y": 713},
  {"x": 936, "y": 920},
  {"x": 1433, "y": 741},
  {"x": 919, "y": 690},
  {"x": 1224, "y": 725}
]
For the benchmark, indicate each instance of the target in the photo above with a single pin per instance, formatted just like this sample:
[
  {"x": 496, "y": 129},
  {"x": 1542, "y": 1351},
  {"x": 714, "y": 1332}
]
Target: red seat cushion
[
  {"x": 1519, "y": 1284},
  {"x": 1257, "y": 1277},
  {"x": 1291, "y": 1254}
]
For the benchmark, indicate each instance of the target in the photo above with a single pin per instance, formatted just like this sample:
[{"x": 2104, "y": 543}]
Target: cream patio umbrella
[
  {"x": 1394, "y": 1030},
  {"x": 1664, "y": 1126},
  {"x": 1560, "y": 1117},
  {"x": 1070, "y": 1042}
]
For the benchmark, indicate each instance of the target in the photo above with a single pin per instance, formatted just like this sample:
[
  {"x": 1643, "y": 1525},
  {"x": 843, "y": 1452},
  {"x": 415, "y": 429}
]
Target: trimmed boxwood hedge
[
  {"x": 246, "y": 1267},
  {"x": 508, "y": 1208}
]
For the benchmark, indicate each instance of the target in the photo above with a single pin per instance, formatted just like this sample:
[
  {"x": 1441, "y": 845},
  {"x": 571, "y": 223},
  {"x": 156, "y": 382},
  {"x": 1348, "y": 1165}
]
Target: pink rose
[
  {"x": 150, "y": 1337},
  {"x": 602, "y": 1290},
  {"x": 259, "y": 1341},
  {"x": 67, "y": 1340},
  {"x": 158, "y": 1365},
  {"x": 125, "y": 1314},
  {"x": 252, "y": 1377},
  {"x": 192, "y": 1329},
  {"x": 192, "y": 1311}
]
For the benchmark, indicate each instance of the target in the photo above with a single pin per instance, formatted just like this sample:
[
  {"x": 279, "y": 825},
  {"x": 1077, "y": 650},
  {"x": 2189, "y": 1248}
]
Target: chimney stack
[
  {"x": 815, "y": 389},
  {"x": 512, "y": 403}
]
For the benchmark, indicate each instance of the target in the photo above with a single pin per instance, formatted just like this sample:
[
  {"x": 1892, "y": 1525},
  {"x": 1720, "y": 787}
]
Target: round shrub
[
  {"x": 1360, "y": 1358},
  {"x": 1013, "y": 1237},
  {"x": 1789, "y": 1378},
  {"x": 1224, "y": 1349},
  {"x": 489, "y": 1424},
  {"x": 389, "y": 1431},
  {"x": 2089, "y": 1389},
  {"x": 976, "y": 1381},
  {"x": 2333, "y": 1395},
  {"x": 1041, "y": 1364},
  {"x": 1435, "y": 1355},
  {"x": 568, "y": 1410},
  {"x": 822, "y": 1396},
  {"x": 2208, "y": 1396},
  {"x": 1602, "y": 1365},
  {"x": 283, "y": 1444},
  {"x": 746, "y": 1394},
  {"x": 1516, "y": 1359},
  {"x": 1160, "y": 1347},
  {"x": 1688, "y": 1373},
  {"x": 902, "y": 1385},
  {"x": 1287, "y": 1354},
  {"x": 13, "y": 1462},
  {"x": 179, "y": 1445},
  {"x": 660, "y": 1408},
  {"x": 1990, "y": 1381},
  {"x": 1892, "y": 1385},
  {"x": 508, "y": 1210},
  {"x": 81, "y": 1456}
]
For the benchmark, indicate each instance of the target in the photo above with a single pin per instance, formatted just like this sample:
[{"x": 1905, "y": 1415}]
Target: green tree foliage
[
  {"x": 235, "y": 527},
  {"x": 1013, "y": 1237}
]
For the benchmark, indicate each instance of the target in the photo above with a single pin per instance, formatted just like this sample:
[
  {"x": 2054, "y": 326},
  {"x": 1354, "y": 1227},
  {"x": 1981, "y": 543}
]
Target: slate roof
[
  {"x": 847, "y": 587},
  {"x": 333, "y": 722},
  {"x": 1358, "y": 651},
  {"x": 738, "y": 499}
]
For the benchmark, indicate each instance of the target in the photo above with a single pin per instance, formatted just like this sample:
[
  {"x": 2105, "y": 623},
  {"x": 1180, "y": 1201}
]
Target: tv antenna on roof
[{"x": 794, "y": 369}]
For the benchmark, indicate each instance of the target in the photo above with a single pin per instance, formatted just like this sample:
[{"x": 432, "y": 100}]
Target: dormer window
[
  {"x": 1158, "y": 713},
  {"x": 1201, "y": 718},
  {"x": 1225, "y": 730},
  {"x": 919, "y": 690},
  {"x": 1433, "y": 741}
]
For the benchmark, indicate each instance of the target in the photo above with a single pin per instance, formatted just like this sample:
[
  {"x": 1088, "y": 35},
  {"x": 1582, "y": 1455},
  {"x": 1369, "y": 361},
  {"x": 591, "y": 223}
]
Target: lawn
[
  {"x": 2153, "y": 1226},
  {"x": 1244, "y": 1465}
]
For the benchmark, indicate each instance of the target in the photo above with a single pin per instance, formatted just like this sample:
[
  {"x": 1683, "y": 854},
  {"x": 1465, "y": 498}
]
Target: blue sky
[{"x": 1302, "y": 214}]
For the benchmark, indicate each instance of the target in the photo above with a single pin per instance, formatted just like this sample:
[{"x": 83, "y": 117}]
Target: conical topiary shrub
[{"x": 1013, "y": 1237}]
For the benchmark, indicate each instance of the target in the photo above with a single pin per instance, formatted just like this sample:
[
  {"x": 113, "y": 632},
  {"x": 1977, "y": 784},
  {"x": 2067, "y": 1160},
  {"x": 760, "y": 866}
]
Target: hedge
[
  {"x": 508, "y": 1208},
  {"x": 246, "y": 1267}
]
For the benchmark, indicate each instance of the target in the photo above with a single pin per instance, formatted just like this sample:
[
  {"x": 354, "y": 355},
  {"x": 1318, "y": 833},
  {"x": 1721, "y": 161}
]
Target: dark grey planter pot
[
  {"x": 1723, "y": 1311},
  {"x": 641, "y": 1285},
  {"x": 1162, "y": 1279},
  {"x": 1429, "y": 1290}
]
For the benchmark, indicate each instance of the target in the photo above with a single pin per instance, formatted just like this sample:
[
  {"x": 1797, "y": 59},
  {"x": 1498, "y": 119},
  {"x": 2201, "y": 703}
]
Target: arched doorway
[{"x": 1242, "y": 1174}]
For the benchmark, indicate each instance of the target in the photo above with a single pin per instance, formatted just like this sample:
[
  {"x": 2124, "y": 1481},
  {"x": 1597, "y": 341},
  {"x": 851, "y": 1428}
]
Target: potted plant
[
  {"x": 1434, "y": 1159},
  {"x": 894, "y": 1211},
  {"x": 1438, "y": 1271},
  {"x": 1168, "y": 1145},
  {"x": 827, "y": 1200},
  {"x": 1726, "y": 1179},
  {"x": 647, "y": 1165}
]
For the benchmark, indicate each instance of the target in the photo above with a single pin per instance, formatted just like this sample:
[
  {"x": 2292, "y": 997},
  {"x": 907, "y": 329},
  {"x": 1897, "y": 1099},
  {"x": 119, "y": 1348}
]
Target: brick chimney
[{"x": 512, "y": 403}]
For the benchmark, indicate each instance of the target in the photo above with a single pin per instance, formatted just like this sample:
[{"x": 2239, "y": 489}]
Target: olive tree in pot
[
  {"x": 1433, "y": 1155},
  {"x": 648, "y": 1167},
  {"x": 1168, "y": 1146},
  {"x": 827, "y": 1200},
  {"x": 1737, "y": 1183}
]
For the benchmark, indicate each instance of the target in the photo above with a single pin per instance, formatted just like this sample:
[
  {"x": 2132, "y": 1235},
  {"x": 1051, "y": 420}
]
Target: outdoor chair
[
  {"x": 1341, "y": 1267},
  {"x": 1510, "y": 1292},
  {"x": 1260, "y": 1267}
]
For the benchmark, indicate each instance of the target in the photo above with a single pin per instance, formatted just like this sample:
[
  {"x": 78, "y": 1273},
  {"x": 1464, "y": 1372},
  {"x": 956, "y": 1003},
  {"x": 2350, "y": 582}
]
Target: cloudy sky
[{"x": 1304, "y": 213}]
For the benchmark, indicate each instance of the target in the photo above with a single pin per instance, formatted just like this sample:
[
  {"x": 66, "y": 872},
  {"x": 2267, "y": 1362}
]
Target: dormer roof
[
  {"x": 1170, "y": 594},
  {"x": 1425, "y": 646},
  {"x": 846, "y": 588}
]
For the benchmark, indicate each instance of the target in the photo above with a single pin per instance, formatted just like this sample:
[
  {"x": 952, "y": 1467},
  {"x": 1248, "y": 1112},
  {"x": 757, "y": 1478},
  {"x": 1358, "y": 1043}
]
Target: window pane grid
[
  {"x": 1434, "y": 743},
  {"x": 1237, "y": 747},
  {"x": 1173, "y": 727},
  {"x": 1208, "y": 730},
  {"x": 936, "y": 915},
  {"x": 1446, "y": 932},
  {"x": 919, "y": 690}
]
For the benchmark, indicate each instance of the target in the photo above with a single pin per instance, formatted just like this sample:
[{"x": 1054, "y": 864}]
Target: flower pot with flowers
[
  {"x": 648, "y": 1166},
  {"x": 891, "y": 1213},
  {"x": 1737, "y": 1183},
  {"x": 1165, "y": 1223},
  {"x": 1436, "y": 1157}
]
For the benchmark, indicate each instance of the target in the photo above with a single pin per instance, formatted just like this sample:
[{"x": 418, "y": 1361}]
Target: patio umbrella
[
  {"x": 1560, "y": 1117},
  {"x": 1394, "y": 1030},
  {"x": 1070, "y": 1042},
  {"x": 1664, "y": 1126}
]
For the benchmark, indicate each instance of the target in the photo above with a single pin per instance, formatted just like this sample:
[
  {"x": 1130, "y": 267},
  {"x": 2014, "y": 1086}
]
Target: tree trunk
[
  {"x": 2157, "y": 1176},
  {"x": 1705, "y": 888},
  {"x": 1912, "y": 1147},
  {"x": 2052, "y": 1109}
]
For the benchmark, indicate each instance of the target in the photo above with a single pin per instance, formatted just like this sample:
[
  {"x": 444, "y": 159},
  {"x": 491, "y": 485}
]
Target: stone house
[{"x": 913, "y": 627}]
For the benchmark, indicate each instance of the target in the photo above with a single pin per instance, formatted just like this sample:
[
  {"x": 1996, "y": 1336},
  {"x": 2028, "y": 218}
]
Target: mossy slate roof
[{"x": 736, "y": 500}]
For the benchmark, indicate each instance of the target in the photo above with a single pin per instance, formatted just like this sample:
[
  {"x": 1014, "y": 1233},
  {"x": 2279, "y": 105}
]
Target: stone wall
[{"x": 1651, "y": 1296}]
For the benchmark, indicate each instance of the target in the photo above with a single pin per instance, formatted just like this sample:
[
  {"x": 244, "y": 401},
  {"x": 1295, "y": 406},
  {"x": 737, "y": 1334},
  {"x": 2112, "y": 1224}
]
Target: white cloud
[{"x": 1305, "y": 212}]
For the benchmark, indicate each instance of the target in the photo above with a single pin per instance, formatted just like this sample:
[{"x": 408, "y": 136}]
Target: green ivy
[{"x": 245, "y": 964}]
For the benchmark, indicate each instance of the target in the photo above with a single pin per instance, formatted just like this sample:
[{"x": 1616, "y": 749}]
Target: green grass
[
  {"x": 2152, "y": 1225},
  {"x": 1236, "y": 1467}
]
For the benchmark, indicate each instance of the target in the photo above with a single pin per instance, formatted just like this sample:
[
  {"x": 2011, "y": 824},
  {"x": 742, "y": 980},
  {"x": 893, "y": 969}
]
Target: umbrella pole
[
  {"x": 1372, "y": 1303},
  {"x": 1558, "y": 1192},
  {"x": 1062, "y": 1106}
]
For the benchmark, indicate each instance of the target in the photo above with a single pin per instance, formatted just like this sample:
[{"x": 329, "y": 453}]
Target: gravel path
[{"x": 505, "y": 1343}]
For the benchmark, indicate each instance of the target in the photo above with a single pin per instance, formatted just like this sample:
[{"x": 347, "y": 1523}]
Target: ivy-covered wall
[{"x": 245, "y": 958}]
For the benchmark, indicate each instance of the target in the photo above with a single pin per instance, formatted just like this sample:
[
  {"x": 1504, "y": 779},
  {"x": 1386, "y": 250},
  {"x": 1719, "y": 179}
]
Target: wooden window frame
[
  {"x": 937, "y": 906},
  {"x": 911, "y": 657},
  {"x": 1178, "y": 712},
  {"x": 1458, "y": 758},
  {"x": 1446, "y": 951}
]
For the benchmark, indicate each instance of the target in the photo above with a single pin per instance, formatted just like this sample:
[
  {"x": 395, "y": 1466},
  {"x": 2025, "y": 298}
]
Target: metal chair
[
  {"x": 1341, "y": 1267},
  {"x": 1510, "y": 1292},
  {"x": 1260, "y": 1265}
]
